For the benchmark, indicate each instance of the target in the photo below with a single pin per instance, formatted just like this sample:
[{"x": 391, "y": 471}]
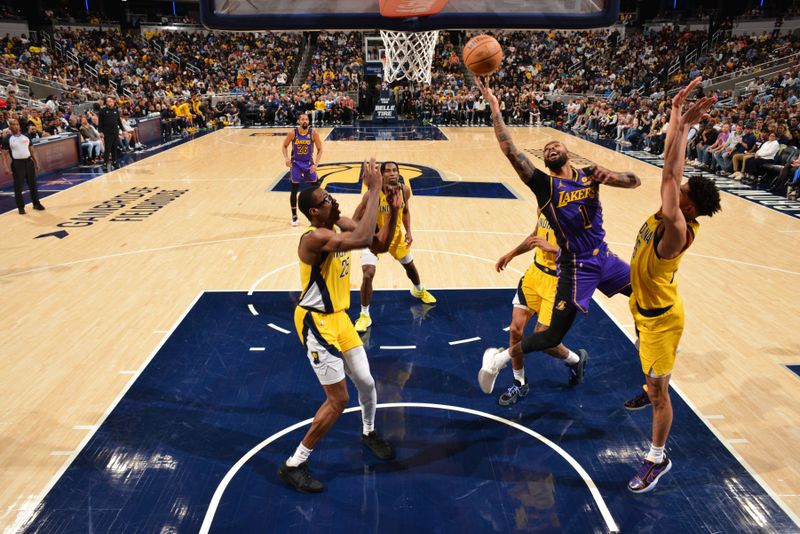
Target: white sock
[
  {"x": 419, "y": 287},
  {"x": 519, "y": 375},
  {"x": 572, "y": 358},
  {"x": 300, "y": 455},
  {"x": 368, "y": 427},
  {"x": 656, "y": 454},
  {"x": 501, "y": 359},
  {"x": 365, "y": 310}
]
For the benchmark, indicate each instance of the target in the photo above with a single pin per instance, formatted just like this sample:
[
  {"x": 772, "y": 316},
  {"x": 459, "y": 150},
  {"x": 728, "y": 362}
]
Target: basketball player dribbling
[
  {"x": 302, "y": 163},
  {"x": 656, "y": 306}
]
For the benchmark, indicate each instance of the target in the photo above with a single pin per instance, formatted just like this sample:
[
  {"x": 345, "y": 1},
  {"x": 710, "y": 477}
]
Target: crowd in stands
[
  {"x": 207, "y": 79},
  {"x": 754, "y": 137}
]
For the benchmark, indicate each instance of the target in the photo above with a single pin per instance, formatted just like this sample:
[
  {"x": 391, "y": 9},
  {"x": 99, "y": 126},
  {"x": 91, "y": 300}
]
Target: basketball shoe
[
  {"x": 490, "y": 368},
  {"x": 364, "y": 321},
  {"x": 424, "y": 296},
  {"x": 648, "y": 475}
]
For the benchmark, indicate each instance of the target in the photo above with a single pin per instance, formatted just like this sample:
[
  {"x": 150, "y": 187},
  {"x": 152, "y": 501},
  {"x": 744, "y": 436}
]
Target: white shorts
[
  {"x": 369, "y": 258},
  {"x": 329, "y": 368}
]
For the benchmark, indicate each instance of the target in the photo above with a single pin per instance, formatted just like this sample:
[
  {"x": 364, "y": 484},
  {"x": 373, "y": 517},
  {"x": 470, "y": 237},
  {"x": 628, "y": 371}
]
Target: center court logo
[{"x": 424, "y": 181}]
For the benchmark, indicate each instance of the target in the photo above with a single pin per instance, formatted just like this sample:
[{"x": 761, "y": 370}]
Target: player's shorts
[
  {"x": 659, "y": 333},
  {"x": 301, "y": 172},
  {"x": 580, "y": 276},
  {"x": 536, "y": 292},
  {"x": 399, "y": 251},
  {"x": 326, "y": 336}
]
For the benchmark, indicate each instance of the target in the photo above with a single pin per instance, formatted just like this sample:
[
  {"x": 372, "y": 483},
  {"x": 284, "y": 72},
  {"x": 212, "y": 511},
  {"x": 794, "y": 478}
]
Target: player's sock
[
  {"x": 419, "y": 287},
  {"x": 300, "y": 455},
  {"x": 519, "y": 375},
  {"x": 365, "y": 310},
  {"x": 656, "y": 454},
  {"x": 368, "y": 426},
  {"x": 572, "y": 358}
]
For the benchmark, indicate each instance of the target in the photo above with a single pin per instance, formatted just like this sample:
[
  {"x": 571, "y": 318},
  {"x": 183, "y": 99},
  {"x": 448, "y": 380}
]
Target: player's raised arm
[
  {"x": 675, "y": 236},
  {"x": 518, "y": 160},
  {"x": 326, "y": 240},
  {"x": 601, "y": 175}
]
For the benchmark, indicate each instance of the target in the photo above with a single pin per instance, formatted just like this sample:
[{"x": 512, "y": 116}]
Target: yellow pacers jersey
[
  {"x": 384, "y": 214},
  {"x": 653, "y": 278},
  {"x": 326, "y": 285},
  {"x": 546, "y": 259}
]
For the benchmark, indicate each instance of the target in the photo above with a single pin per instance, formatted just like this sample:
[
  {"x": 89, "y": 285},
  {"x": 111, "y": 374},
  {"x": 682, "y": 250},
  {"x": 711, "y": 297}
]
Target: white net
[{"x": 408, "y": 55}]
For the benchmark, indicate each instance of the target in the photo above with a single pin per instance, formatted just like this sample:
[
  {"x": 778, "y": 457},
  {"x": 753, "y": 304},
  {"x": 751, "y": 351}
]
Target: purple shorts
[
  {"x": 580, "y": 275},
  {"x": 301, "y": 172}
]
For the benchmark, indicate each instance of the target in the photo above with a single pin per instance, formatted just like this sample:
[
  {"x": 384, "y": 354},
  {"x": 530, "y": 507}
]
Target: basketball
[{"x": 483, "y": 54}]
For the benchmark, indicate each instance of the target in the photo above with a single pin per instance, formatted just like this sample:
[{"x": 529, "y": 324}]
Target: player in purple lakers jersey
[
  {"x": 302, "y": 163},
  {"x": 570, "y": 200}
]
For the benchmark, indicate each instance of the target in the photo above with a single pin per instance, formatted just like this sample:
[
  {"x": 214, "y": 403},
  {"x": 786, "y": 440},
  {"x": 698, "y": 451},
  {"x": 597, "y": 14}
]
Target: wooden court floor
[{"x": 82, "y": 314}]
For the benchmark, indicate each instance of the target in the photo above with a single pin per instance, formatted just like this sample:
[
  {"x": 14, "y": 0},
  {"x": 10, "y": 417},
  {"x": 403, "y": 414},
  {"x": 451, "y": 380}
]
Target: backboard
[{"x": 365, "y": 15}]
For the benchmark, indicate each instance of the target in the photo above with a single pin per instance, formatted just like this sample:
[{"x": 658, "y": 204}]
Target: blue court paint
[
  {"x": 345, "y": 177},
  {"x": 390, "y": 132},
  {"x": 794, "y": 368},
  {"x": 205, "y": 400}
]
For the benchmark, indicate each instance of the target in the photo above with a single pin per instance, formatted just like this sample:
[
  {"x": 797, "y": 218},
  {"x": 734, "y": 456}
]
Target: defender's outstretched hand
[{"x": 372, "y": 175}]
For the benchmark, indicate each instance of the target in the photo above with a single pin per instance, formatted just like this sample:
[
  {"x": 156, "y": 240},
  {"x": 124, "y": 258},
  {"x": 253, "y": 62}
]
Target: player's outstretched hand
[
  {"x": 372, "y": 175},
  {"x": 487, "y": 93},
  {"x": 697, "y": 110},
  {"x": 395, "y": 199},
  {"x": 679, "y": 99}
]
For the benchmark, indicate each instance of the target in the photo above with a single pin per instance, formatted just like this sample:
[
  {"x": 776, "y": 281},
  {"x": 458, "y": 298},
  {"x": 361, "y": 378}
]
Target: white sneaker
[
  {"x": 489, "y": 370},
  {"x": 294, "y": 221}
]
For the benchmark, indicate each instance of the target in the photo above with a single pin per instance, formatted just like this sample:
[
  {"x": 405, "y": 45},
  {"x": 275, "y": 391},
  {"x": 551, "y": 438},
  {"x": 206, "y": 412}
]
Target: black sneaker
[
  {"x": 513, "y": 394},
  {"x": 21, "y": 211},
  {"x": 378, "y": 446},
  {"x": 299, "y": 478},
  {"x": 38, "y": 207},
  {"x": 576, "y": 371},
  {"x": 638, "y": 402}
]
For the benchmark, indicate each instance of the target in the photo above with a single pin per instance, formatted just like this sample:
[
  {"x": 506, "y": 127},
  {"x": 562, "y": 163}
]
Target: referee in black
[
  {"x": 23, "y": 165},
  {"x": 109, "y": 123}
]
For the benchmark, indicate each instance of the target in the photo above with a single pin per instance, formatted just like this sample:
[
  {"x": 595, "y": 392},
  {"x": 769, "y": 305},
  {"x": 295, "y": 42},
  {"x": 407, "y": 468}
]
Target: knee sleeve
[{"x": 356, "y": 366}]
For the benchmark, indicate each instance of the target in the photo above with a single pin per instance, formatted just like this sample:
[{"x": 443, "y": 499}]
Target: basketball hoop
[{"x": 408, "y": 55}]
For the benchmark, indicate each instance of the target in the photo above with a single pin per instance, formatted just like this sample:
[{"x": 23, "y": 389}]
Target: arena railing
[{"x": 754, "y": 69}]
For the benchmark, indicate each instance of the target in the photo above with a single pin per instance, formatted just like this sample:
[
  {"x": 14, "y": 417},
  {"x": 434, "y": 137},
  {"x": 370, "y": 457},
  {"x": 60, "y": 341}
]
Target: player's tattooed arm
[
  {"x": 518, "y": 159},
  {"x": 601, "y": 175}
]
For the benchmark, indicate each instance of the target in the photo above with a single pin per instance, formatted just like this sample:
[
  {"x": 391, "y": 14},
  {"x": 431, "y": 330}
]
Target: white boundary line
[
  {"x": 278, "y": 328},
  {"x": 28, "y": 514},
  {"x": 398, "y": 347},
  {"x": 769, "y": 491},
  {"x": 598, "y": 498},
  {"x": 273, "y": 271},
  {"x": 460, "y": 341},
  {"x": 252, "y": 309},
  {"x": 258, "y": 349}
]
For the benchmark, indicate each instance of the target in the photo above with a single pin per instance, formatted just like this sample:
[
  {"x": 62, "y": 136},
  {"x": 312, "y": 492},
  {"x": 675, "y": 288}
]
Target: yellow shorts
[
  {"x": 658, "y": 338},
  {"x": 536, "y": 293},
  {"x": 326, "y": 337},
  {"x": 399, "y": 250}
]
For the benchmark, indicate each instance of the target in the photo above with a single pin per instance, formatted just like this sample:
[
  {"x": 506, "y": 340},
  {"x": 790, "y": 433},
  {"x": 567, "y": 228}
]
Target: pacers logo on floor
[{"x": 424, "y": 181}]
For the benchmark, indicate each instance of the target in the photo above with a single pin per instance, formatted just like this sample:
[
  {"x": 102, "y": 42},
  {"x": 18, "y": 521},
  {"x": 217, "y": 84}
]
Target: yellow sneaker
[
  {"x": 364, "y": 322},
  {"x": 424, "y": 296}
]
